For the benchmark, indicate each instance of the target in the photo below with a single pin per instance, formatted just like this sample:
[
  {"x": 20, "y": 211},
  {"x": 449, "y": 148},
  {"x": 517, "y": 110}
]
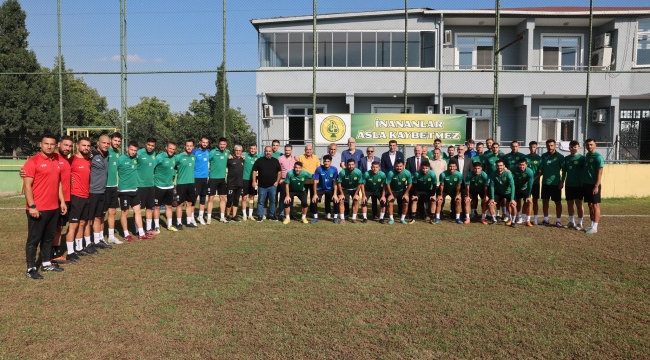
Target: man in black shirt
[
  {"x": 266, "y": 177},
  {"x": 235, "y": 166}
]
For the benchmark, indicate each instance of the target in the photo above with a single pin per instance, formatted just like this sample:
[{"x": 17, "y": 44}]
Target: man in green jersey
[
  {"x": 425, "y": 182},
  {"x": 592, "y": 176},
  {"x": 574, "y": 165},
  {"x": 451, "y": 152},
  {"x": 450, "y": 183},
  {"x": 551, "y": 168},
  {"x": 512, "y": 158},
  {"x": 127, "y": 189},
  {"x": 477, "y": 183},
  {"x": 163, "y": 179},
  {"x": 372, "y": 187},
  {"x": 502, "y": 186},
  {"x": 294, "y": 185},
  {"x": 275, "y": 146},
  {"x": 185, "y": 186},
  {"x": 534, "y": 162},
  {"x": 490, "y": 158},
  {"x": 480, "y": 149},
  {"x": 524, "y": 178},
  {"x": 398, "y": 185},
  {"x": 248, "y": 191},
  {"x": 348, "y": 186},
  {"x": 217, "y": 182},
  {"x": 111, "y": 201},
  {"x": 146, "y": 190}
]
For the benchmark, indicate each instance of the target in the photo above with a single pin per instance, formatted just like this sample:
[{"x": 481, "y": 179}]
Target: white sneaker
[
  {"x": 263, "y": 217},
  {"x": 520, "y": 221},
  {"x": 115, "y": 240},
  {"x": 329, "y": 216},
  {"x": 201, "y": 220},
  {"x": 223, "y": 220},
  {"x": 209, "y": 221},
  {"x": 243, "y": 218}
]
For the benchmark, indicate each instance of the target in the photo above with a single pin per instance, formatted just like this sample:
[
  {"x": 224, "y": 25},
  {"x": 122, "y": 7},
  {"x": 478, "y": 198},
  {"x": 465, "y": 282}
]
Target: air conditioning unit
[
  {"x": 603, "y": 40},
  {"x": 430, "y": 109},
  {"x": 446, "y": 110},
  {"x": 599, "y": 116},
  {"x": 267, "y": 111},
  {"x": 447, "y": 37},
  {"x": 602, "y": 58}
]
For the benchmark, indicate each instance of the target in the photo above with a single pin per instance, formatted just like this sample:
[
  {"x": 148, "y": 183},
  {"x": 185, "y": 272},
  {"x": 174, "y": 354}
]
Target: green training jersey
[
  {"x": 593, "y": 162},
  {"x": 164, "y": 171},
  {"x": 477, "y": 183},
  {"x": 218, "y": 163},
  {"x": 249, "y": 161},
  {"x": 502, "y": 183},
  {"x": 425, "y": 181},
  {"x": 572, "y": 171},
  {"x": 489, "y": 161},
  {"x": 297, "y": 181},
  {"x": 350, "y": 180},
  {"x": 145, "y": 167},
  {"x": 276, "y": 154},
  {"x": 113, "y": 156},
  {"x": 552, "y": 165},
  {"x": 524, "y": 181},
  {"x": 374, "y": 182},
  {"x": 450, "y": 181},
  {"x": 127, "y": 173},
  {"x": 185, "y": 166},
  {"x": 477, "y": 158},
  {"x": 534, "y": 162},
  {"x": 511, "y": 160},
  {"x": 398, "y": 182}
]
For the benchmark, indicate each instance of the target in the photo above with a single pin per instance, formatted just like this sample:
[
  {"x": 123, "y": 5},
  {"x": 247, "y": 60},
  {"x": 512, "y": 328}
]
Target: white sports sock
[
  {"x": 200, "y": 213},
  {"x": 156, "y": 223},
  {"x": 70, "y": 246},
  {"x": 437, "y": 215},
  {"x": 148, "y": 224},
  {"x": 402, "y": 217},
  {"x": 391, "y": 217},
  {"x": 87, "y": 240},
  {"x": 498, "y": 212},
  {"x": 546, "y": 218},
  {"x": 304, "y": 216},
  {"x": 178, "y": 221},
  {"x": 354, "y": 216},
  {"x": 223, "y": 216},
  {"x": 594, "y": 225},
  {"x": 315, "y": 216},
  {"x": 141, "y": 232},
  {"x": 571, "y": 218},
  {"x": 336, "y": 216},
  {"x": 189, "y": 219},
  {"x": 494, "y": 218},
  {"x": 528, "y": 218},
  {"x": 250, "y": 211},
  {"x": 97, "y": 237},
  {"x": 457, "y": 216},
  {"x": 343, "y": 216},
  {"x": 46, "y": 263},
  {"x": 111, "y": 233},
  {"x": 483, "y": 216},
  {"x": 466, "y": 216},
  {"x": 169, "y": 223},
  {"x": 210, "y": 216},
  {"x": 126, "y": 233},
  {"x": 381, "y": 215},
  {"x": 579, "y": 222},
  {"x": 365, "y": 215}
]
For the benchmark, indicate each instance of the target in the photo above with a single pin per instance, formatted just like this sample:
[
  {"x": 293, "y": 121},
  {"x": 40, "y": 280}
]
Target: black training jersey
[{"x": 235, "y": 168}]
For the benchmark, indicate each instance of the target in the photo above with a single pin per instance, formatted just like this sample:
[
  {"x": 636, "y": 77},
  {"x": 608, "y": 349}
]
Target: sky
[{"x": 186, "y": 35}]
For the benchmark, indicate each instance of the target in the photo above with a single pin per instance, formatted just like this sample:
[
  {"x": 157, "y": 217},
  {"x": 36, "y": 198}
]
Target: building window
[
  {"x": 643, "y": 43},
  {"x": 479, "y": 121},
  {"x": 558, "y": 123},
  {"x": 474, "y": 52},
  {"x": 347, "y": 49},
  {"x": 300, "y": 123},
  {"x": 391, "y": 108},
  {"x": 561, "y": 52}
]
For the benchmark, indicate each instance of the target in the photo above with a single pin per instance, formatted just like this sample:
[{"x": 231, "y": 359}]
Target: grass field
[{"x": 239, "y": 291}]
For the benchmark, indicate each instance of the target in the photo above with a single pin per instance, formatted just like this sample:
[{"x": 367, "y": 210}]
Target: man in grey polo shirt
[{"x": 98, "y": 176}]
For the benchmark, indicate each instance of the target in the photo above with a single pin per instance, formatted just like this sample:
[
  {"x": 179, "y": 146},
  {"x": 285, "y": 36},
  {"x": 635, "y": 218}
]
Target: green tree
[
  {"x": 221, "y": 101},
  {"x": 25, "y": 99},
  {"x": 238, "y": 131},
  {"x": 151, "y": 118}
]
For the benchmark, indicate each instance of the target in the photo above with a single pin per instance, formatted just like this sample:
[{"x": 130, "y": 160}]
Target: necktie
[{"x": 417, "y": 164}]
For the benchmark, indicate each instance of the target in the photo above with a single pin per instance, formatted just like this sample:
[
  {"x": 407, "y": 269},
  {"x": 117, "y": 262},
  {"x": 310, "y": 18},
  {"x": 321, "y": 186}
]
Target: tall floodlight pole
[
  {"x": 58, "y": 16},
  {"x": 591, "y": 32},
  {"x": 223, "y": 83},
  {"x": 313, "y": 75},
  {"x": 123, "y": 72},
  {"x": 406, "y": 57},
  {"x": 495, "y": 113}
]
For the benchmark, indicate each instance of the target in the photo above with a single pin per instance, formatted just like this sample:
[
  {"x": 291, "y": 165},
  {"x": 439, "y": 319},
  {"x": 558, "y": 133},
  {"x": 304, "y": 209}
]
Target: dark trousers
[
  {"x": 41, "y": 232},
  {"x": 313, "y": 207},
  {"x": 282, "y": 193}
]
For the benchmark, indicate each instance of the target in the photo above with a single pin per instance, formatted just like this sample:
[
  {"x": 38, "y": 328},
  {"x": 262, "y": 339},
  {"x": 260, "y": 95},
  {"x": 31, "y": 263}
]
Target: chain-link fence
[{"x": 163, "y": 73}]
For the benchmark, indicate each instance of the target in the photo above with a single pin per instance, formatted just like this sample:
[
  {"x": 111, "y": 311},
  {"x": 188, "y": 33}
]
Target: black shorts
[
  {"x": 163, "y": 197},
  {"x": 551, "y": 192},
  {"x": 422, "y": 196},
  {"x": 536, "y": 190},
  {"x": 185, "y": 192},
  {"x": 474, "y": 196},
  {"x": 97, "y": 207},
  {"x": 302, "y": 195},
  {"x": 234, "y": 193},
  {"x": 63, "y": 219},
  {"x": 248, "y": 189},
  {"x": 452, "y": 196},
  {"x": 498, "y": 197},
  {"x": 111, "y": 200},
  {"x": 375, "y": 195},
  {"x": 201, "y": 186},
  {"x": 79, "y": 209},
  {"x": 147, "y": 196},
  {"x": 327, "y": 193},
  {"x": 397, "y": 196},
  {"x": 521, "y": 194},
  {"x": 588, "y": 191},
  {"x": 573, "y": 193},
  {"x": 128, "y": 199},
  {"x": 347, "y": 194},
  {"x": 217, "y": 187}
]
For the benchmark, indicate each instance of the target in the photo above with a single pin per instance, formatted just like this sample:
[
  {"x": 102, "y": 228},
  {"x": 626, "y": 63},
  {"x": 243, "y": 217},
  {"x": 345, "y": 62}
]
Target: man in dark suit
[
  {"x": 389, "y": 157},
  {"x": 366, "y": 161},
  {"x": 414, "y": 162}
]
